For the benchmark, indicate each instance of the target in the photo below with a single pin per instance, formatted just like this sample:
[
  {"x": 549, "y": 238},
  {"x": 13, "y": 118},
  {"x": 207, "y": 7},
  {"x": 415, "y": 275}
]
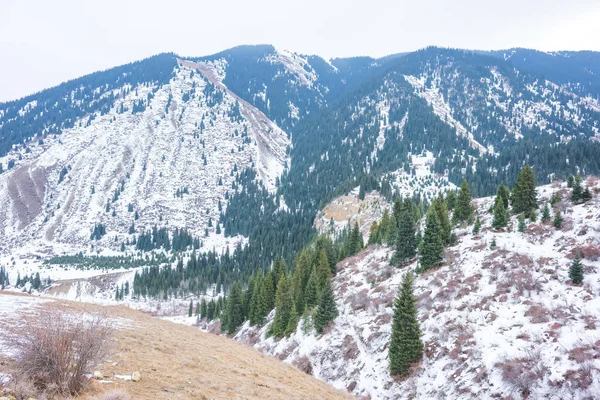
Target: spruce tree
[
  {"x": 558, "y": 220},
  {"x": 500, "y": 214},
  {"x": 576, "y": 270},
  {"x": 312, "y": 290},
  {"x": 477, "y": 225},
  {"x": 502, "y": 192},
  {"x": 464, "y": 209},
  {"x": 577, "y": 193},
  {"x": 270, "y": 292},
  {"x": 406, "y": 241},
  {"x": 374, "y": 234},
  {"x": 234, "y": 309},
  {"x": 385, "y": 228},
  {"x": 405, "y": 345},
  {"x": 322, "y": 269},
  {"x": 191, "y": 308},
  {"x": 524, "y": 195},
  {"x": 284, "y": 304},
  {"x": 432, "y": 245},
  {"x": 522, "y": 225},
  {"x": 326, "y": 310},
  {"x": 203, "y": 309},
  {"x": 546, "y": 213},
  {"x": 451, "y": 199},
  {"x": 439, "y": 206},
  {"x": 300, "y": 279}
]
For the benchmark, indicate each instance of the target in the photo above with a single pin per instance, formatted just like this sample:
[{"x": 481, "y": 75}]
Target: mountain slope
[
  {"x": 496, "y": 322},
  {"x": 176, "y": 361},
  {"x": 170, "y": 152}
]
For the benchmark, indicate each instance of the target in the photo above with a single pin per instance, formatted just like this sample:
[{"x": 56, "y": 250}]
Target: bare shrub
[
  {"x": 522, "y": 374},
  {"x": 23, "y": 389},
  {"x": 303, "y": 364},
  {"x": 538, "y": 314},
  {"x": 360, "y": 301},
  {"x": 57, "y": 348}
]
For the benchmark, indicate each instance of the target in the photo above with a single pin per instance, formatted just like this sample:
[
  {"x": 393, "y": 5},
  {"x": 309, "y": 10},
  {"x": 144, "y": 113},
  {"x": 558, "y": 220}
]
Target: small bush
[{"x": 57, "y": 348}]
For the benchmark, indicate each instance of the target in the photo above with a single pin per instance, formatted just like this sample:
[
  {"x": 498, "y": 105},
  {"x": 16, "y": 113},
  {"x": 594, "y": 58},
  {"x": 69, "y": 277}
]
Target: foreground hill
[
  {"x": 176, "y": 361},
  {"x": 497, "y": 322}
]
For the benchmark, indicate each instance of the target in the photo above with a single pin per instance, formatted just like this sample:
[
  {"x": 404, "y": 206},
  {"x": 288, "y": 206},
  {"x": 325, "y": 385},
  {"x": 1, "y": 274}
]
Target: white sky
[{"x": 43, "y": 43}]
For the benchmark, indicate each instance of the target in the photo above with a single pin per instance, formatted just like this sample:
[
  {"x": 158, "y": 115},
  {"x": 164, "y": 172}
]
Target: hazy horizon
[{"x": 51, "y": 43}]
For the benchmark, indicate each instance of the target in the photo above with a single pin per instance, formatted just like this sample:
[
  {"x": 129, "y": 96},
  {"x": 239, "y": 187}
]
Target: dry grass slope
[{"x": 181, "y": 362}]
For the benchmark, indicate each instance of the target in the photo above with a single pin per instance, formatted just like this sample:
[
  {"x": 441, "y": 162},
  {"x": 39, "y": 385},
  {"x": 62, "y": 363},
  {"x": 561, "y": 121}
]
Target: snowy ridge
[
  {"x": 141, "y": 161},
  {"x": 296, "y": 65},
  {"x": 496, "y": 322},
  {"x": 442, "y": 109}
]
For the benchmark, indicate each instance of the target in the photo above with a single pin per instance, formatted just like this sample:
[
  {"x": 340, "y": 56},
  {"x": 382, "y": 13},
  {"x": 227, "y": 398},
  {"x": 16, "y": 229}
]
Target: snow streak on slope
[
  {"x": 496, "y": 322},
  {"x": 441, "y": 108},
  {"x": 296, "y": 65},
  {"x": 173, "y": 161}
]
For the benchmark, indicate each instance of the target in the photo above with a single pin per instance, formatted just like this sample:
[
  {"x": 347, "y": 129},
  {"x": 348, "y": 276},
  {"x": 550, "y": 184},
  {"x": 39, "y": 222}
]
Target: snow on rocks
[{"x": 496, "y": 323}]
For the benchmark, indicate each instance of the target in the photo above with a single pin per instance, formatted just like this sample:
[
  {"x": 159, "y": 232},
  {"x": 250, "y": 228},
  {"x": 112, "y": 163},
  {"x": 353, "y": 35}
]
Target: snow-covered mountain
[
  {"x": 497, "y": 322},
  {"x": 166, "y": 154}
]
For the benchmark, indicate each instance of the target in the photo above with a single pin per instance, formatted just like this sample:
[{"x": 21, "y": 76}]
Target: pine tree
[
  {"x": 284, "y": 304},
  {"x": 439, "y": 206},
  {"x": 524, "y": 196},
  {"x": 451, "y": 199},
  {"x": 405, "y": 345},
  {"x": 300, "y": 279},
  {"x": 464, "y": 209},
  {"x": 570, "y": 181},
  {"x": 385, "y": 228},
  {"x": 576, "y": 270},
  {"x": 326, "y": 310},
  {"x": 500, "y": 214},
  {"x": 374, "y": 234},
  {"x": 558, "y": 220},
  {"x": 502, "y": 192},
  {"x": 234, "y": 315},
  {"x": 432, "y": 246},
  {"x": 477, "y": 225},
  {"x": 191, "y": 308},
  {"x": 323, "y": 271},
  {"x": 270, "y": 292},
  {"x": 203, "y": 309},
  {"x": 577, "y": 193},
  {"x": 546, "y": 213},
  {"x": 406, "y": 241},
  {"x": 493, "y": 244},
  {"x": 521, "y": 226},
  {"x": 312, "y": 290}
]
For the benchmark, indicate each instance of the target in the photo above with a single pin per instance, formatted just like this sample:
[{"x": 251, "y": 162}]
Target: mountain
[
  {"x": 176, "y": 180},
  {"x": 577, "y": 70}
]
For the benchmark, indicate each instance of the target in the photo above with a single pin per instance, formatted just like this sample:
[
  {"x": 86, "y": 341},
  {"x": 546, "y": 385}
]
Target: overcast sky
[{"x": 43, "y": 43}]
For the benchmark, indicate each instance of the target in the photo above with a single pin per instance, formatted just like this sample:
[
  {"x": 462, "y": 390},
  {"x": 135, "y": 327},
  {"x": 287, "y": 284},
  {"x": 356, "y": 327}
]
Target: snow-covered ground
[
  {"x": 189, "y": 138},
  {"x": 496, "y": 323}
]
